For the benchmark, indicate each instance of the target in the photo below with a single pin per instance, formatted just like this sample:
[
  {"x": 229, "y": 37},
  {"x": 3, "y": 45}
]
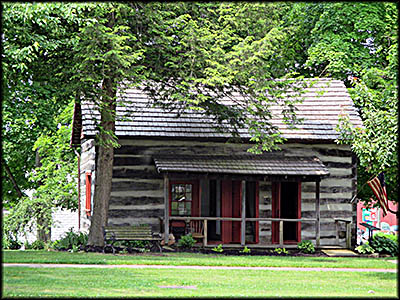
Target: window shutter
[{"x": 88, "y": 193}]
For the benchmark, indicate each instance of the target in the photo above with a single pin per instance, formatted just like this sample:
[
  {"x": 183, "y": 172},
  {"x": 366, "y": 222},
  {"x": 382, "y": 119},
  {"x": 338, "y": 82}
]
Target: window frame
[{"x": 195, "y": 204}]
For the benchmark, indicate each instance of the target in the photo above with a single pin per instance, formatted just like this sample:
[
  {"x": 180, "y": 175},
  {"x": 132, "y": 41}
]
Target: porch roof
[{"x": 243, "y": 165}]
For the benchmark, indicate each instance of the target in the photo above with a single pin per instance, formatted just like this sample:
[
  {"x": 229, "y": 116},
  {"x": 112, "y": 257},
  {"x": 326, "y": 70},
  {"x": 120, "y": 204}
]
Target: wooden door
[
  {"x": 236, "y": 210},
  {"x": 231, "y": 207},
  {"x": 226, "y": 210},
  {"x": 286, "y": 203}
]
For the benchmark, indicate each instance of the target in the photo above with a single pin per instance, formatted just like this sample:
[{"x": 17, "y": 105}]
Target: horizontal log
[
  {"x": 135, "y": 213},
  {"x": 144, "y": 173},
  {"x": 133, "y": 161},
  {"x": 338, "y": 165},
  {"x": 135, "y": 185},
  {"x": 328, "y": 214},
  {"x": 141, "y": 207},
  {"x": 178, "y": 149},
  {"x": 135, "y": 200},
  {"x": 335, "y": 152},
  {"x": 323, "y": 196}
]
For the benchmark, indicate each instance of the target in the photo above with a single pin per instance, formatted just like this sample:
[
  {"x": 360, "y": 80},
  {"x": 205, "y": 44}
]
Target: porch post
[
  {"x": 166, "y": 209},
  {"x": 318, "y": 215},
  {"x": 243, "y": 215}
]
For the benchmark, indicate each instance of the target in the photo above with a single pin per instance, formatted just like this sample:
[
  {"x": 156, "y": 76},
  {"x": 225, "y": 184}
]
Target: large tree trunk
[{"x": 102, "y": 190}]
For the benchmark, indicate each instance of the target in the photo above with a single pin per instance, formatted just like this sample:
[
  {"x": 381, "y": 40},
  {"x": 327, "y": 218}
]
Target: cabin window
[
  {"x": 181, "y": 199},
  {"x": 88, "y": 206}
]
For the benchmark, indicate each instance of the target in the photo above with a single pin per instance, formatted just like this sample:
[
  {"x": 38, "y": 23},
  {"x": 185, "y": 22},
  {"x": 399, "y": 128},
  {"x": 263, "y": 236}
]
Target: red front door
[
  {"x": 231, "y": 208},
  {"x": 286, "y": 204}
]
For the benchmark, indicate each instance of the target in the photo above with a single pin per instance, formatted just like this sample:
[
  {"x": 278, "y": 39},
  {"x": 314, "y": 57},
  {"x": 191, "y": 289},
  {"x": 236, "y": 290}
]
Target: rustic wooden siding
[
  {"x": 336, "y": 192},
  {"x": 137, "y": 189}
]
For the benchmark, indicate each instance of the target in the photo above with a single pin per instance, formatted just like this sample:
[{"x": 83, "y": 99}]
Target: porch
[
  {"x": 222, "y": 202},
  {"x": 203, "y": 241}
]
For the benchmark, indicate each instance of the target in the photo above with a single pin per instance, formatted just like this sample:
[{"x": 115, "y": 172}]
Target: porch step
[{"x": 339, "y": 252}]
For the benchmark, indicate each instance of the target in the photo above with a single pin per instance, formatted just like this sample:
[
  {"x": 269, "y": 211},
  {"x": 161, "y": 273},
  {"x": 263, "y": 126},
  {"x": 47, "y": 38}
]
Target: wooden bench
[{"x": 143, "y": 232}]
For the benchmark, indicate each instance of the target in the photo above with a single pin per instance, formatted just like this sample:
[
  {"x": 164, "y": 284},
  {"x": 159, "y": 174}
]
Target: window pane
[
  {"x": 188, "y": 188},
  {"x": 179, "y": 188},
  {"x": 188, "y": 208},
  {"x": 188, "y": 196},
  {"x": 181, "y": 208},
  {"x": 180, "y": 197}
]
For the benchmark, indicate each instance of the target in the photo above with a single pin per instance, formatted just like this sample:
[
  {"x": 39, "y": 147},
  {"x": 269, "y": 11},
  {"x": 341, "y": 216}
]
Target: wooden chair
[{"x": 197, "y": 230}]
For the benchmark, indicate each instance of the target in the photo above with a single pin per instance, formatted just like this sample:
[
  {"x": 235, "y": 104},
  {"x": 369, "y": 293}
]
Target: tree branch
[{"x": 11, "y": 177}]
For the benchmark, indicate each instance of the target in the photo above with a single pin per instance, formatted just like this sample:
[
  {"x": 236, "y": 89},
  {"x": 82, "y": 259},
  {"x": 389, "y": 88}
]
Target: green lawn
[
  {"x": 123, "y": 282},
  {"x": 30, "y": 256}
]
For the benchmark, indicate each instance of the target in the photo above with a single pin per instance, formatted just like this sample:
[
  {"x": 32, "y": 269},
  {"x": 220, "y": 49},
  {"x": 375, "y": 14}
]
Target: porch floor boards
[{"x": 253, "y": 246}]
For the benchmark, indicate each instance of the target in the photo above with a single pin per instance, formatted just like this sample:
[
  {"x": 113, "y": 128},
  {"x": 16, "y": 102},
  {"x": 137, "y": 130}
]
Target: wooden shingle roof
[
  {"x": 320, "y": 109},
  {"x": 242, "y": 164}
]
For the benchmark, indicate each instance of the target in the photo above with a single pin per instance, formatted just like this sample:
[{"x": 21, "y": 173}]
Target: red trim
[
  {"x": 195, "y": 195},
  {"x": 195, "y": 200},
  {"x": 236, "y": 210},
  {"x": 88, "y": 193},
  {"x": 298, "y": 224},
  {"x": 226, "y": 210}
]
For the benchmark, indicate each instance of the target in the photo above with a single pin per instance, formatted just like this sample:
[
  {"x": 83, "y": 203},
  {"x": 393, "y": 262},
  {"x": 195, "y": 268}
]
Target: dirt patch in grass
[{"x": 187, "y": 287}]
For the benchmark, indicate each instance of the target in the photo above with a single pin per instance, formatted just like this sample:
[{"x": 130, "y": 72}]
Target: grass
[
  {"x": 31, "y": 256},
  {"x": 123, "y": 282}
]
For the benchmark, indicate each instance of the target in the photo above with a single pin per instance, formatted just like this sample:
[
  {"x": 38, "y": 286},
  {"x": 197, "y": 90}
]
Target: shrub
[
  {"x": 128, "y": 246},
  {"x": 37, "y": 245},
  {"x": 306, "y": 246},
  {"x": 11, "y": 244},
  {"x": 71, "y": 241},
  {"x": 384, "y": 245},
  {"x": 280, "y": 251},
  {"x": 387, "y": 235},
  {"x": 9, "y": 238},
  {"x": 365, "y": 249},
  {"x": 218, "y": 248},
  {"x": 245, "y": 250},
  {"x": 186, "y": 242}
]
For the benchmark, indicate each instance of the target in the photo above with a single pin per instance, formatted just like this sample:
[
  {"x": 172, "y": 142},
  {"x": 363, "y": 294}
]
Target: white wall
[{"x": 63, "y": 221}]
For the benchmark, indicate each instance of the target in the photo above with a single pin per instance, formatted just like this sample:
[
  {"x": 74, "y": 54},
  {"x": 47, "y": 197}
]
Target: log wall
[
  {"x": 137, "y": 188},
  {"x": 336, "y": 192}
]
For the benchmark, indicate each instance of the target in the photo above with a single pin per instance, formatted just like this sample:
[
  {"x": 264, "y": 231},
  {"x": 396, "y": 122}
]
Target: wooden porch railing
[{"x": 242, "y": 239}]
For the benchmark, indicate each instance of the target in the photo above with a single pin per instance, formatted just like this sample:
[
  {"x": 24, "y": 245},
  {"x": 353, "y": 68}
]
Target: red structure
[{"x": 374, "y": 217}]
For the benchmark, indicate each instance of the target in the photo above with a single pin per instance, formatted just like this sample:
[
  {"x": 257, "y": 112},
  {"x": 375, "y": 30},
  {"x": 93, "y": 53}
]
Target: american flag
[{"x": 379, "y": 188}]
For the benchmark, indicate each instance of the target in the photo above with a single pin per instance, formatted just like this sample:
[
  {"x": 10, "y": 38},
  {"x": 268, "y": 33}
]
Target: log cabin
[{"x": 177, "y": 172}]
